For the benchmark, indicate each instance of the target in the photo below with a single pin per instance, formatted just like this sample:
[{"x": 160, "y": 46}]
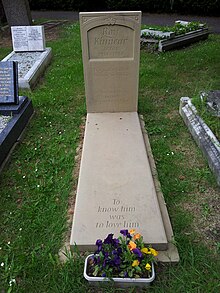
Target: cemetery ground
[{"x": 39, "y": 182}]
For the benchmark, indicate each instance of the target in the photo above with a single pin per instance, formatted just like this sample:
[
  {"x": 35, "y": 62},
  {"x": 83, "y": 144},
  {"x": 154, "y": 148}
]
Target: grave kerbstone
[
  {"x": 8, "y": 82},
  {"x": 28, "y": 38}
]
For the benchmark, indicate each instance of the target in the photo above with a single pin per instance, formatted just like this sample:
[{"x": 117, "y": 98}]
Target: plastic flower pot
[{"x": 119, "y": 282}]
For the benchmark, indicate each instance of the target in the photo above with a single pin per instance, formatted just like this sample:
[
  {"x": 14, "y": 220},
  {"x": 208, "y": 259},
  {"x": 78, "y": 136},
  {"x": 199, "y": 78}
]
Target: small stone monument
[
  {"x": 115, "y": 189},
  {"x": 28, "y": 38}
]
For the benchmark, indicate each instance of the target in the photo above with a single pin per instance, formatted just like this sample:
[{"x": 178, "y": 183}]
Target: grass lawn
[{"x": 37, "y": 182}]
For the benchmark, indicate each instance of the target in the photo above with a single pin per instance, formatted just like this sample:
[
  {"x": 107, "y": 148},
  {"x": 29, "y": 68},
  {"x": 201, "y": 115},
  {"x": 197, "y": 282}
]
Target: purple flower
[
  {"x": 124, "y": 232},
  {"x": 99, "y": 244},
  {"x": 116, "y": 242},
  {"x": 137, "y": 251},
  {"x": 117, "y": 260},
  {"x": 104, "y": 275},
  {"x": 109, "y": 239},
  {"x": 119, "y": 250}
]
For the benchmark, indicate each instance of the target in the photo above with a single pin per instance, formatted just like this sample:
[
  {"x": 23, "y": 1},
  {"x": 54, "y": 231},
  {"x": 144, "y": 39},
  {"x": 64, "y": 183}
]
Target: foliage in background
[{"x": 197, "y": 7}]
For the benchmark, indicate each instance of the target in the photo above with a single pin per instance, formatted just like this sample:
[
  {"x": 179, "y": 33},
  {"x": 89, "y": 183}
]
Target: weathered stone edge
[
  {"x": 202, "y": 134},
  {"x": 188, "y": 38},
  {"x": 171, "y": 254}
]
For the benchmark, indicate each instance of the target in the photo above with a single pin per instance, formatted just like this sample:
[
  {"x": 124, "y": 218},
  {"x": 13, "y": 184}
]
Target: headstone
[
  {"x": 8, "y": 82},
  {"x": 28, "y": 38},
  {"x": 111, "y": 46},
  {"x": 17, "y": 12}
]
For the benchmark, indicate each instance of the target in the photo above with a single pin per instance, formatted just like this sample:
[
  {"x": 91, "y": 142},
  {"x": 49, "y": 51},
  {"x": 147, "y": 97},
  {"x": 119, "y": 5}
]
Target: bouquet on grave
[{"x": 126, "y": 256}]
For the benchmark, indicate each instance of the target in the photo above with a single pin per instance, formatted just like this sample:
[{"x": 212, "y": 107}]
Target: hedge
[{"x": 196, "y": 7}]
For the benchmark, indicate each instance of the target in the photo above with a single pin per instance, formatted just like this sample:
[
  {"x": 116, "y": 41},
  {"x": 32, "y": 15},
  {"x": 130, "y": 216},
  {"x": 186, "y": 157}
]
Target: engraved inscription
[
  {"x": 19, "y": 36},
  {"x": 117, "y": 216},
  {"x": 7, "y": 87},
  {"x": 111, "y": 41}
]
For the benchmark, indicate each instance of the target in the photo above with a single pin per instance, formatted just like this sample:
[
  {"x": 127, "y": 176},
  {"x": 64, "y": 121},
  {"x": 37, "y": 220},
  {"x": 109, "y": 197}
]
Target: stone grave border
[
  {"x": 177, "y": 41},
  {"x": 36, "y": 71},
  {"x": 14, "y": 128},
  {"x": 183, "y": 40},
  {"x": 202, "y": 134}
]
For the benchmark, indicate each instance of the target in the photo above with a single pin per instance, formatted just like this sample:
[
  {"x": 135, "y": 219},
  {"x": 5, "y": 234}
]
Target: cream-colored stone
[
  {"x": 115, "y": 188},
  {"x": 110, "y": 47}
]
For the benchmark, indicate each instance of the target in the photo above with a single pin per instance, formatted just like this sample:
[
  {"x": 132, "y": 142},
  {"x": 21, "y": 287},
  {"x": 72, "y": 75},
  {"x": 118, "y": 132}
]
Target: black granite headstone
[{"x": 9, "y": 82}]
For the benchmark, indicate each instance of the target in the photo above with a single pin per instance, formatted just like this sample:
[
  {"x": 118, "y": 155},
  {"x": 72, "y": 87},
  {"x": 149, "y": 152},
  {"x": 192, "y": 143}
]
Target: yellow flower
[
  {"x": 135, "y": 263},
  {"x": 145, "y": 250},
  {"x": 137, "y": 236},
  {"x": 148, "y": 267},
  {"x": 132, "y": 245},
  {"x": 153, "y": 251},
  {"x": 132, "y": 231}
]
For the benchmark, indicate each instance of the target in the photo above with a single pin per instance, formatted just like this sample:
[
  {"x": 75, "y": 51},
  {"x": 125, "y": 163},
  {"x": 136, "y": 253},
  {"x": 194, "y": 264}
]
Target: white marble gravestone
[
  {"x": 28, "y": 38},
  {"x": 115, "y": 187}
]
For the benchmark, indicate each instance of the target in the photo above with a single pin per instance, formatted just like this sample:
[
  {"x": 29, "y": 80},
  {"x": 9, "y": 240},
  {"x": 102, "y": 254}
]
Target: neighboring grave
[
  {"x": 30, "y": 53},
  {"x": 115, "y": 189},
  {"x": 15, "y": 111},
  {"x": 8, "y": 82},
  {"x": 28, "y": 38},
  {"x": 17, "y": 12}
]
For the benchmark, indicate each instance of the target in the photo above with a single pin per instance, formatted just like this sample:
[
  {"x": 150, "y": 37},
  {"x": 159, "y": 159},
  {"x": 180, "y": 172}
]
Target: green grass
[{"x": 37, "y": 182}]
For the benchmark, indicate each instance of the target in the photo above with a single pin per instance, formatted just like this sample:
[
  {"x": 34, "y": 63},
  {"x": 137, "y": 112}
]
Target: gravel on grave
[
  {"x": 25, "y": 61},
  {"x": 3, "y": 122}
]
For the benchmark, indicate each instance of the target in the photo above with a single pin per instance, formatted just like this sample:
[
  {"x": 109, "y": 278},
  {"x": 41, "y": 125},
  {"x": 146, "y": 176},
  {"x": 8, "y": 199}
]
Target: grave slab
[
  {"x": 31, "y": 66},
  {"x": 115, "y": 188}
]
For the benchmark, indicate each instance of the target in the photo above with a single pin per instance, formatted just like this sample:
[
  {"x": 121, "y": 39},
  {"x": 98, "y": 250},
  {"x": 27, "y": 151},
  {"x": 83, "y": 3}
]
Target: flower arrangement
[{"x": 125, "y": 256}]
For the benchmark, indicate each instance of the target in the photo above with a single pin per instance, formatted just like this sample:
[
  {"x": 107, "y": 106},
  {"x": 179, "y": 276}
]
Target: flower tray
[{"x": 119, "y": 282}]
